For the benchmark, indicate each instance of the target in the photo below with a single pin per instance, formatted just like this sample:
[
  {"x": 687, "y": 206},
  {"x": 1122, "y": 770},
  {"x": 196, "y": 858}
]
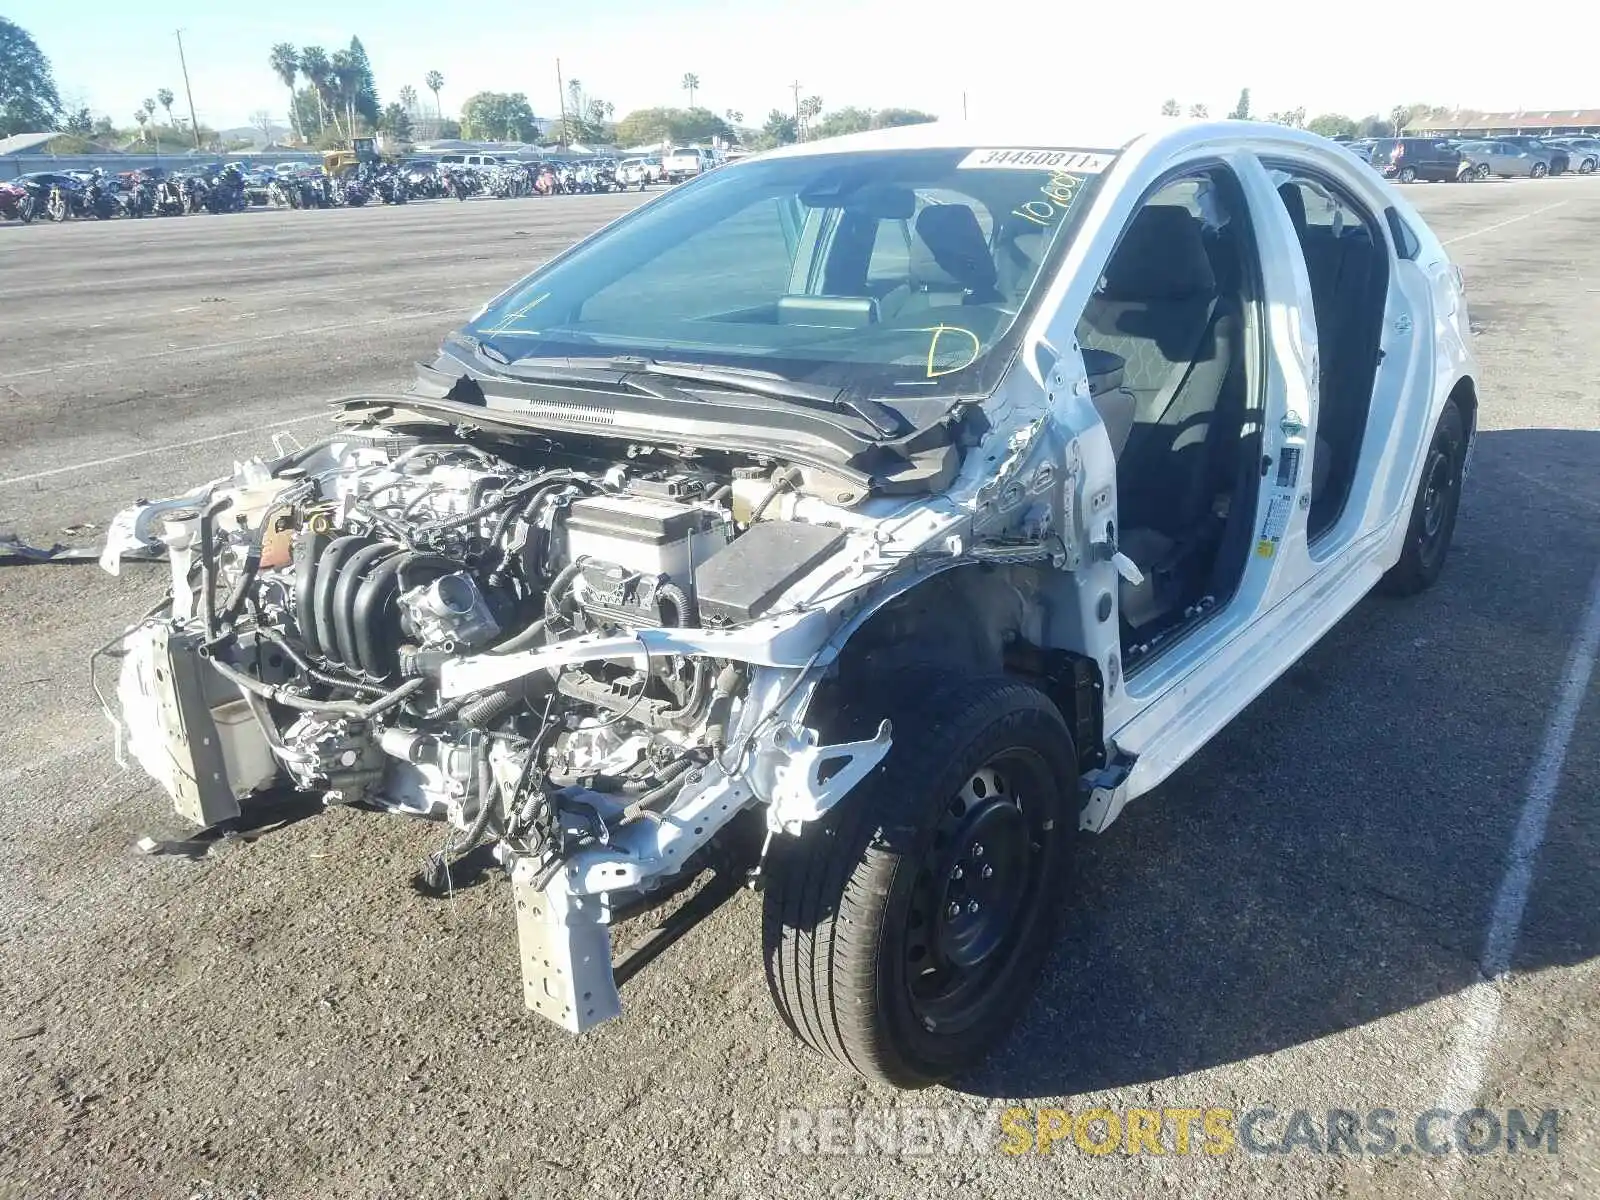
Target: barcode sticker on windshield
[{"x": 1087, "y": 161}]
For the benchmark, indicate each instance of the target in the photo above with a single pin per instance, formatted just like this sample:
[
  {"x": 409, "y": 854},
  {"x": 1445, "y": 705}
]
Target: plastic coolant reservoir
[{"x": 251, "y": 503}]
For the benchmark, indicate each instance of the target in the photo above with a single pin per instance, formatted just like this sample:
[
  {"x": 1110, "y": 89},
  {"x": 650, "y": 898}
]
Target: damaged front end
[{"x": 592, "y": 665}]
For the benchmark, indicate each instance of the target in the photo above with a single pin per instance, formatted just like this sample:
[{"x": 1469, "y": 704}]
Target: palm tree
[
  {"x": 408, "y": 99},
  {"x": 141, "y": 116},
  {"x": 435, "y": 84},
  {"x": 315, "y": 67},
  {"x": 691, "y": 84},
  {"x": 347, "y": 83},
  {"x": 164, "y": 97},
  {"x": 810, "y": 109},
  {"x": 285, "y": 63}
]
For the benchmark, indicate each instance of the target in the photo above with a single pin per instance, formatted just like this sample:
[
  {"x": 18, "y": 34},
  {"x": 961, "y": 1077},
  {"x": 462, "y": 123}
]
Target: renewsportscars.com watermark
[{"x": 921, "y": 1132}]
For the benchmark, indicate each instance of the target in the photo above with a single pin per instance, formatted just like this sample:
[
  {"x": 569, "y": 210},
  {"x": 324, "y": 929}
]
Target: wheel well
[
  {"x": 970, "y": 620},
  {"x": 1465, "y": 395}
]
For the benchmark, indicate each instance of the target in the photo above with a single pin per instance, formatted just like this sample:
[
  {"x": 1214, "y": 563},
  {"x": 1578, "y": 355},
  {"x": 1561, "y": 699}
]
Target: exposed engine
[
  {"x": 593, "y": 663},
  {"x": 329, "y": 592}
]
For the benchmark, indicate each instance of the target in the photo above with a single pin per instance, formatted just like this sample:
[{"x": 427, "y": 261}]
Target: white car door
[{"x": 1211, "y": 664}]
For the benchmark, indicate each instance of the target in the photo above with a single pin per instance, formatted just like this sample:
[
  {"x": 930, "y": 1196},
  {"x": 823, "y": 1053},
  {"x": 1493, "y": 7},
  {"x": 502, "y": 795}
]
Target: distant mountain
[{"x": 240, "y": 133}]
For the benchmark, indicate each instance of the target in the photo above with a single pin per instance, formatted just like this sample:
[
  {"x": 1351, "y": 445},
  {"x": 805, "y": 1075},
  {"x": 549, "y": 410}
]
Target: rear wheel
[
  {"x": 904, "y": 931},
  {"x": 1586, "y": 167},
  {"x": 1433, "y": 511},
  {"x": 1407, "y": 175},
  {"x": 1483, "y": 171},
  {"x": 1538, "y": 170}
]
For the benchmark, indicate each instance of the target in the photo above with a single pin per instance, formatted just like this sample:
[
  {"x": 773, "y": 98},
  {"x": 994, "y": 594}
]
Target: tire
[
  {"x": 865, "y": 894},
  {"x": 1538, "y": 171},
  {"x": 1483, "y": 171},
  {"x": 1586, "y": 167},
  {"x": 1407, "y": 175},
  {"x": 1433, "y": 509}
]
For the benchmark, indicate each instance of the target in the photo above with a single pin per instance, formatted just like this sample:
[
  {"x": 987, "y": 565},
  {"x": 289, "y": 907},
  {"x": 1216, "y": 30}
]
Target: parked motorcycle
[
  {"x": 63, "y": 202},
  {"x": 169, "y": 201},
  {"x": 194, "y": 190},
  {"x": 16, "y": 203},
  {"x": 138, "y": 198},
  {"x": 226, "y": 194}
]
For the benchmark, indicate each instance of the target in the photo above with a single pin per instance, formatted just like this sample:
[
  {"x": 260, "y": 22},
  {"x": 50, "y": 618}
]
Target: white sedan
[{"x": 867, "y": 519}]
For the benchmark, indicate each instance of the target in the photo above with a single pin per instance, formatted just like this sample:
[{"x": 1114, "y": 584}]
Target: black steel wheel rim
[
  {"x": 1438, "y": 496},
  {"x": 975, "y": 890}
]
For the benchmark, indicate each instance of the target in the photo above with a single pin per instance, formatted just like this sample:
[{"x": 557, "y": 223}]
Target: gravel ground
[{"x": 1295, "y": 920}]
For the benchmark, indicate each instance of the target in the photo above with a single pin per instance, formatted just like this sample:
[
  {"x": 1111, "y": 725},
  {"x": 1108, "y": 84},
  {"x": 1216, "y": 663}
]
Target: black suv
[{"x": 1409, "y": 159}]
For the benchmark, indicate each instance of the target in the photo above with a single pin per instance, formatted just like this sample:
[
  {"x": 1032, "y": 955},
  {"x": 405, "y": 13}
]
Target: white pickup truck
[{"x": 685, "y": 162}]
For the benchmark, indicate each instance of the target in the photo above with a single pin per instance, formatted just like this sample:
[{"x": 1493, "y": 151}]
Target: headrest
[
  {"x": 950, "y": 249},
  {"x": 1295, "y": 201},
  {"x": 1161, "y": 257}
]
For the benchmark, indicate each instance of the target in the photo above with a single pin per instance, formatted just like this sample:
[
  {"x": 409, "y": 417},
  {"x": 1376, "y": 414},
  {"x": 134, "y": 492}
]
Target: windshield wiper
[{"x": 760, "y": 383}]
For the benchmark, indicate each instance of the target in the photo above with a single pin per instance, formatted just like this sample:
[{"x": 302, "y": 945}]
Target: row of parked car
[{"x": 1410, "y": 159}]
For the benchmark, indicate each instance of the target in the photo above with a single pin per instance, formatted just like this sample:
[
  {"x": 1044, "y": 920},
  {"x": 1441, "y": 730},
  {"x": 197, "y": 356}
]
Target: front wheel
[
  {"x": 1539, "y": 171},
  {"x": 1586, "y": 167},
  {"x": 1433, "y": 511},
  {"x": 904, "y": 932},
  {"x": 1483, "y": 171}
]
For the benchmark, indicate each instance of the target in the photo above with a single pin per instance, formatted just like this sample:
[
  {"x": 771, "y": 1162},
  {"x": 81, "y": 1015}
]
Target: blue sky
[{"x": 1016, "y": 56}]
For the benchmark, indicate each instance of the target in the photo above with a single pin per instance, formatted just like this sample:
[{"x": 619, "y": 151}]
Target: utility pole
[
  {"x": 561, "y": 95},
  {"x": 795, "y": 86},
  {"x": 963, "y": 106},
  {"x": 194, "y": 121}
]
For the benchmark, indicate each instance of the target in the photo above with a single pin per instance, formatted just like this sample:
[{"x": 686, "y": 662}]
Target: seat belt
[{"x": 1180, "y": 375}]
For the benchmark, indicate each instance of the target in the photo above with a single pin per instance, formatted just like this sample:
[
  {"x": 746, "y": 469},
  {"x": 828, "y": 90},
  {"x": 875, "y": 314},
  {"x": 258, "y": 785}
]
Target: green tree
[
  {"x": 491, "y": 116},
  {"x": 366, "y": 93},
  {"x": 408, "y": 99},
  {"x": 307, "y": 112},
  {"x": 778, "y": 129},
  {"x": 691, "y": 84},
  {"x": 29, "y": 102},
  {"x": 1241, "y": 110},
  {"x": 435, "y": 84},
  {"x": 1294, "y": 118},
  {"x": 1169, "y": 108},
  {"x": 104, "y": 130},
  {"x": 448, "y": 128},
  {"x": 810, "y": 110},
  {"x": 1372, "y": 126},
  {"x": 1332, "y": 125},
  {"x": 164, "y": 97},
  {"x": 314, "y": 65},
  {"x": 1199, "y": 111},
  {"x": 396, "y": 122},
  {"x": 889, "y": 118},
  {"x": 732, "y": 116},
  {"x": 648, "y": 125},
  {"x": 80, "y": 123},
  {"x": 141, "y": 117},
  {"x": 285, "y": 63},
  {"x": 346, "y": 84},
  {"x": 842, "y": 121}
]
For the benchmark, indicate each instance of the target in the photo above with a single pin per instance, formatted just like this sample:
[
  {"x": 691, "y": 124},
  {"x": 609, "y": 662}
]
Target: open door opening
[{"x": 1178, "y": 304}]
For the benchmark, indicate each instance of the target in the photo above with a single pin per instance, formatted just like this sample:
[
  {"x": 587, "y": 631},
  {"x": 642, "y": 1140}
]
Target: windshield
[{"x": 893, "y": 274}]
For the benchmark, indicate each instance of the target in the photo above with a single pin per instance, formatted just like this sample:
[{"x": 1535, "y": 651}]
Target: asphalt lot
[{"x": 1295, "y": 920}]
